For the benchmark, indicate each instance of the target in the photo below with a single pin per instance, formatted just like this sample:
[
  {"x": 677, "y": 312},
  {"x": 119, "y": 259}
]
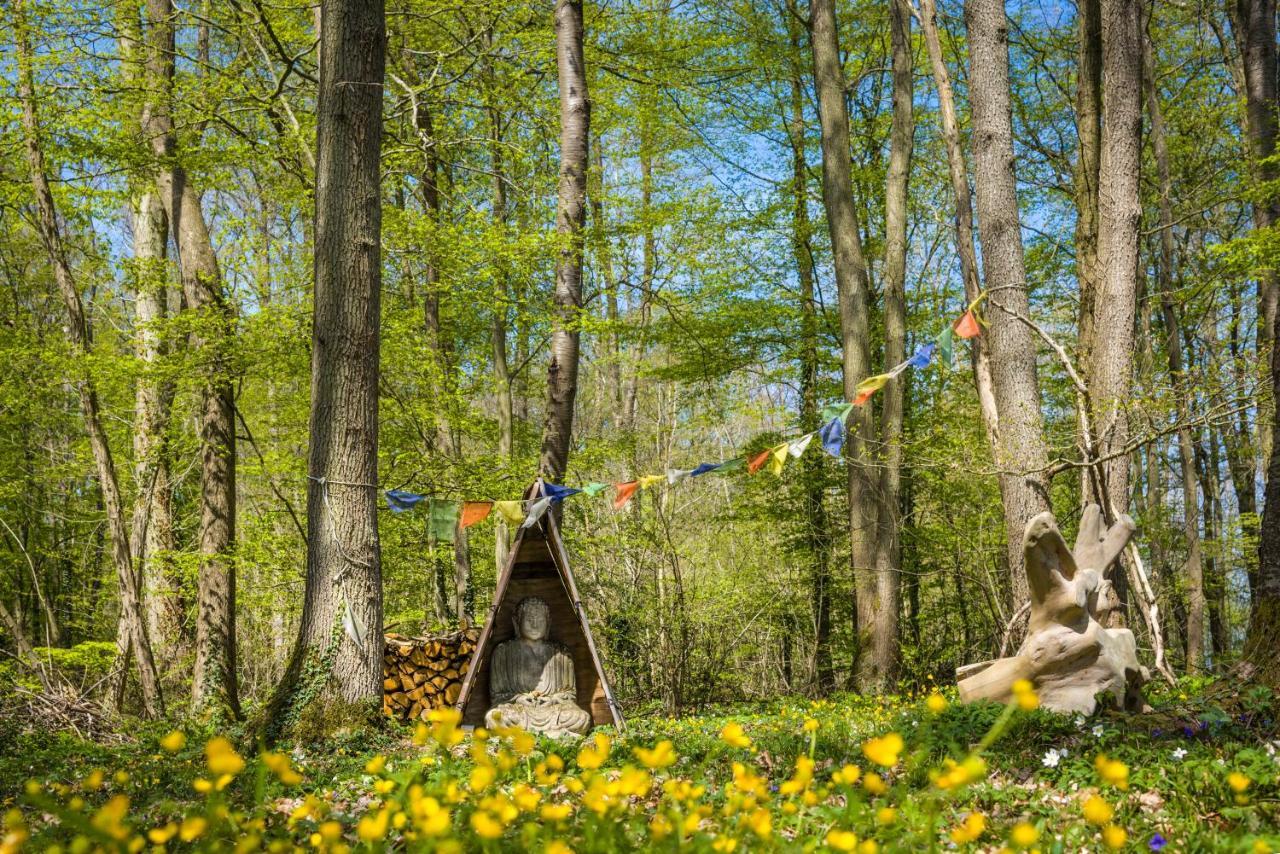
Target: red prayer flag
[
  {"x": 475, "y": 511},
  {"x": 967, "y": 325},
  {"x": 863, "y": 397},
  {"x": 625, "y": 491},
  {"x": 754, "y": 464}
]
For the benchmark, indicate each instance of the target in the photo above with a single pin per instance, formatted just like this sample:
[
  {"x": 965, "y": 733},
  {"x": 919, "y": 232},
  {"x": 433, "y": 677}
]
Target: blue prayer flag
[
  {"x": 399, "y": 500},
  {"x": 704, "y": 468},
  {"x": 558, "y": 493},
  {"x": 922, "y": 356},
  {"x": 832, "y": 436}
]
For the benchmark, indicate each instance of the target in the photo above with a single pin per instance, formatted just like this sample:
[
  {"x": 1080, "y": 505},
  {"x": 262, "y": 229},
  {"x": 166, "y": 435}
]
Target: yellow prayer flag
[
  {"x": 512, "y": 511},
  {"x": 873, "y": 384},
  {"x": 649, "y": 480},
  {"x": 778, "y": 457}
]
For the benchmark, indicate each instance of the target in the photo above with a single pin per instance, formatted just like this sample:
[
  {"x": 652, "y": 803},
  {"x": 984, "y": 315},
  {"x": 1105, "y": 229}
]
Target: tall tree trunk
[
  {"x": 575, "y": 126},
  {"x": 604, "y": 257},
  {"x": 879, "y": 670},
  {"x": 817, "y": 539},
  {"x": 959, "y": 172},
  {"x": 1193, "y": 569},
  {"x": 214, "y": 678},
  {"x": 338, "y": 654},
  {"x": 1013, "y": 348},
  {"x": 1108, "y": 369},
  {"x": 1088, "y": 168},
  {"x": 852, "y": 291},
  {"x": 132, "y": 635},
  {"x": 1254, "y": 25},
  {"x": 498, "y": 330}
]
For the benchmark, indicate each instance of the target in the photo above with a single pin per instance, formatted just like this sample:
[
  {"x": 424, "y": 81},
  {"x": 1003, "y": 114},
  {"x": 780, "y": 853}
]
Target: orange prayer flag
[
  {"x": 967, "y": 325},
  {"x": 863, "y": 397},
  {"x": 754, "y": 464},
  {"x": 625, "y": 491},
  {"x": 475, "y": 511}
]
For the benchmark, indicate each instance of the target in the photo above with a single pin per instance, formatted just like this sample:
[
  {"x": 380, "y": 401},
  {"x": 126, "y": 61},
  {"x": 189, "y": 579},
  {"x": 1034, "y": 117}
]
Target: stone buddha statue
[{"x": 531, "y": 682}]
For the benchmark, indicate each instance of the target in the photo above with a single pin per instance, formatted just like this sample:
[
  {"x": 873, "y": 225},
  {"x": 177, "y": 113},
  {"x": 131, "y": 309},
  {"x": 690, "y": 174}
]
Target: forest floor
[{"x": 1201, "y": 773}]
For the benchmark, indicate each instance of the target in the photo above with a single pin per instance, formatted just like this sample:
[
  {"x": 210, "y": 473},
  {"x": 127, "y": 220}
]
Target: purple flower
[{"x": 1158, "y": 842}]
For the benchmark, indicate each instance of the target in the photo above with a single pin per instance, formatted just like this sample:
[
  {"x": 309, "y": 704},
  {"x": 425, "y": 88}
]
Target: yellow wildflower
[
  {"x": 222, "y": 757},
  {"x": 1097, "y": 811},
  {"x": 660, "y": 827},
  {"x": 555, "y": 846},
  {"x": 1024, "y": 834},
  {"x": 481, "y": 777},
  {"x": 594, "y": 754},
  {"x": 634, "y": 782},
  {"x": 375, "y": 765},
  {"x": 556, "y": 812},
  {"x": 734, "y": 736},
  {"x": 174, "y": 741},
  {"x": 973, "y": 826},
  {"x": 525, "y": 797},
  {"x": 192, "y": 828},
  {"x": 886, "y": 816},
  {"x": 330, "y": 831},
  {"x": 800, "y": 779},
  {"x": 279, "y": 763},
  {"x": 1238, "y": 782},
  {"x": 884, "y": 750},
  {"x": 724, "y": 844},
  {"x": 384, "y": 787},
  {"x": 1112, "y": 771},
  {"x": 373, "y": 826},
  {"x": 760, "y": 822},
  {"x": 874, "y": 784},
  {"x": 868, "y": 846},
  {"x": 429, "y": 817},
  {"x": 662, "y": 755},
  {"x": 486, "y": 826},
  {"x": 161, "y": 835},
  {"x": 811, "y": 725},
  {"x": 847, "y": 776},
  {"x": 1024, "y": 694},
  {"x": 842, "y": 840},
  {"x": 1114, "y": 837},
  {"x": 936, "y": 703}
]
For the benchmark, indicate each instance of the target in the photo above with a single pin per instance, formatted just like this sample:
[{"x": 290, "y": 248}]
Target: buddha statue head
[{"x": 532, "y": 619}]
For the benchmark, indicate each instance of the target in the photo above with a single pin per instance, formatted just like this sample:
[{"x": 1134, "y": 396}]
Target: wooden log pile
[{"x": 420, "y": 674}]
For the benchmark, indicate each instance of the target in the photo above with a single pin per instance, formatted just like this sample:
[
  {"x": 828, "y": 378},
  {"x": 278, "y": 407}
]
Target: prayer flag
[
  {"x": 625, "y": 491},
  {"x": 399, "y": 500},
  {"x": 735, "y": 464},
  {"x": 536, "y": 511},
  {"x": 944, "y": 348},
  {"x": 595, "y": 488},
  {"x": 558, "y": 493},
  {"x": 832, "y": 436},
  {"x": 779, "y": 457},
  {"x": 649, "y": 480},
  {"x": 967, "y": 325},
  {"x": 703, "y": 468},
  {"x": 674, "y": 476},
  {"x": 442, "y": 519},
  {"x": 474, "y": 512},
  {"x": 922, "y": 356},
  {"x": 870, "y": 386},
  {"x": 798, "y": 446},
  {"x": 512, "y": 511},
  {"x": 833, "y": 410},
  {"x": 753, "y": 465}
]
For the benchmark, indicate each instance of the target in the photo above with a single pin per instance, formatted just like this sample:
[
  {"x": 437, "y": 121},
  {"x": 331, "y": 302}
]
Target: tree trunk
[
  {"x": 959, "y": 172},
  {"x": 1022, "y": 450},
  {"x": 851, "y": 288},
  {"x": 214, "y": 677},
  {"x": 575, "y": 125},
  {"x": 1087, "y": 175},
  {"x": 817, "y": 538},
  {"x": 879, "y": 670},
  {"x": 132, "y": 635},
  {"x": 1193, "y": 569},
  {"x": 338, "y": 654}
]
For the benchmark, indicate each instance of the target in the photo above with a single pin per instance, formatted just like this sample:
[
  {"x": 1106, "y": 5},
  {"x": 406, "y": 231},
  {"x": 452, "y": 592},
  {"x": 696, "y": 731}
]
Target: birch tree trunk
[
  {"x": 132, "y": 637},
  {"x": 214, "y": 683},
  {"x": 1022, "y": 452},
  {"x": 575, "y": 126},
  {"x": 338, "y": 653},
  {"x": 851, "y": 288}
]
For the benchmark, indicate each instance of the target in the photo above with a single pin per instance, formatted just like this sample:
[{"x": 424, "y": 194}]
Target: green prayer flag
[
  {"x": 732, "y": 465},
  {"x": 442, "y": 519},
  {"x": 944, "y": 348},
  {"x": 594, "y": 489}
]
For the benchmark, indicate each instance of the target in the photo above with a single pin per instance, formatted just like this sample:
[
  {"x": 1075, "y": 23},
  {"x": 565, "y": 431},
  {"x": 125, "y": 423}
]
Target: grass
[{"x": 857, "y": 774}]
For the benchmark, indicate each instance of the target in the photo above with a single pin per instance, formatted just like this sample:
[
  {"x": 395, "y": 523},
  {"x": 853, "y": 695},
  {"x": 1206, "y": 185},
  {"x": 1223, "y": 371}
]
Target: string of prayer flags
[
  {"x": 624, "y": 493},
  {"x": 779, "y": 457},
  {"x": 649, "y": 480},
  {"x": 870, "y": 386},
  {"x": 735, "y": 464},
  {"x": 798, "y": 446},
  {"x": 442, "y": 519},
  {"x": 920, "y": 359},
  {"x": 512, "y": 511},
  {"x": 399, "y": 500},
  {"x": 832, "y": 435},
  {"x": 558, "y": 493},
  {"x": 703, "y": 468},
  {"x": 474, "y": 512},
  {"x": 594, "y": 489},
  {"x": 536, "y": 511},
  {"x": 754, "y": 464},
  {"x": 674, "y": 476}
]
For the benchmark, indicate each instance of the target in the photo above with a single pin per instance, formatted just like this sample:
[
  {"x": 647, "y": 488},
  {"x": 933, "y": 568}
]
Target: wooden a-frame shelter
[{"x": 538, "y": 565}]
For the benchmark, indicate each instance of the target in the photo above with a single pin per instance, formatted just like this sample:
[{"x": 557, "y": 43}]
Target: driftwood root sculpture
[{"x": 1070, "y": 657}]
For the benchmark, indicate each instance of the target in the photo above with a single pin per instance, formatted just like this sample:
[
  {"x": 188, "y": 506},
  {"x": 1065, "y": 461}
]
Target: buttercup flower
[
  {"x": 222, "y": 757},
  {"x": 1024, "y": 834},
  {"x": 884, "y": 750},
  {"x": 1096, "y": 810},
  {"x": 842, "y": 840}
]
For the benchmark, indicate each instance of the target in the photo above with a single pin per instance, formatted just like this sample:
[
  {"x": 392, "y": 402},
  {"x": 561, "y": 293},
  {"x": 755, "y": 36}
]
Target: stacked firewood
[{"x": 421, "y": 674}]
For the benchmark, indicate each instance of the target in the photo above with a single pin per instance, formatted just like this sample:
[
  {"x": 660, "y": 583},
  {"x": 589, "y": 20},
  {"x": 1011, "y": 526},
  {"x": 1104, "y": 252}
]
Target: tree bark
[
  {"x": 1087, "y": 176},
  {"x": 214, "y": 685},
  {"x": 852, "y": 291},
  {"x": 332, "y": 658},
  {"x": 575, "y": 126},
  {"x": 132, "y": 635},
  {"x": 1193, "y": 568},
  {"x": 879, "y": 671},
  {"x": 1022, "y": 453},
  {"x": 817, "y": 539}
]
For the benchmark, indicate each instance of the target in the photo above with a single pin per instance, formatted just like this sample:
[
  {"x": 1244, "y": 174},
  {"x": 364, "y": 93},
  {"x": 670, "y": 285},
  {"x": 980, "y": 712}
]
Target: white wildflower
[
  {"x": 1178, "y": 753},
  {"x": 1097, "y": 731},
  {"x": 1052, "y": 757}
]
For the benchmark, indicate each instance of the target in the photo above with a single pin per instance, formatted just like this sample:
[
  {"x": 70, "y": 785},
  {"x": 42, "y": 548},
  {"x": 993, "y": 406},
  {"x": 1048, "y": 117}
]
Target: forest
[{"x": 753, "y": 363}]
